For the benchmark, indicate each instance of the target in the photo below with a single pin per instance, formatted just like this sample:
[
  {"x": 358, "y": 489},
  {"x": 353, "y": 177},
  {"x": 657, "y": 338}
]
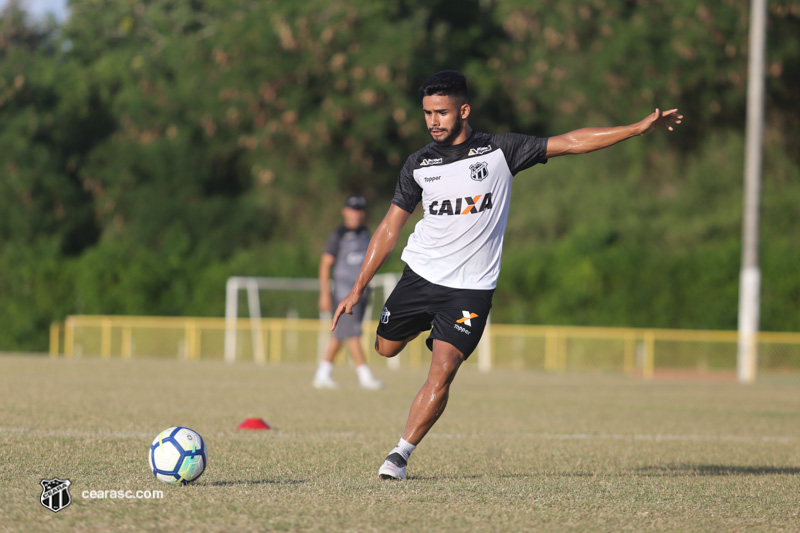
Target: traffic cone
[{"x": 254, "y": 423}]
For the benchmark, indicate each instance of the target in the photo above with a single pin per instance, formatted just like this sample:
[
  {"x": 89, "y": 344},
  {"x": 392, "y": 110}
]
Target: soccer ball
[{"x": 178, "y": 455}]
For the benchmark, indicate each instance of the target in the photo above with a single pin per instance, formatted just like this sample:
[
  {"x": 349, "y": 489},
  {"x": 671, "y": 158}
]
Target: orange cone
[{"x": 254, "y": 423}]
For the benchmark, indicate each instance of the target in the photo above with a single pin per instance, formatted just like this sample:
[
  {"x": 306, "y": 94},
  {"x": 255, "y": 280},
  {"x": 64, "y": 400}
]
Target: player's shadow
[
  {"x": 258, "y": 482},
  {"x": 680, "y": 470},
  {"x": 454, "y": 477},
  {"x": 716, "y": 470}
]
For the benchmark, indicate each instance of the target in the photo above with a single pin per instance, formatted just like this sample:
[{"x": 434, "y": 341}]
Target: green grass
[{"x": 515, "y": 451}]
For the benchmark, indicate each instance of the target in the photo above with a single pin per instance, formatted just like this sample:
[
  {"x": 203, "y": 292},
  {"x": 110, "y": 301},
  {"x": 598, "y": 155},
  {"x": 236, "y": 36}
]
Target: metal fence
[{"x": 644, "y": 352}]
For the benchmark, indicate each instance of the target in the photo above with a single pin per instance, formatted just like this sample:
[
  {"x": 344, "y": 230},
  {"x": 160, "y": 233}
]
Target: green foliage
[
  {"x": 36, "y": 286},
  {"x": 152, "y": 149}
]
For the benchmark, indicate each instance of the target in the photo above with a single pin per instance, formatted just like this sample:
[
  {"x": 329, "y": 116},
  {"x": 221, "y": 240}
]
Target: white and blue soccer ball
[{"x": 178, "y": 455}]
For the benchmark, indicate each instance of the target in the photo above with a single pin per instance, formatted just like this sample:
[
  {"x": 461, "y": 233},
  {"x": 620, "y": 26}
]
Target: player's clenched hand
[
  {"x": 658, "y": 118},
  {"x": 346, "y": 306}
]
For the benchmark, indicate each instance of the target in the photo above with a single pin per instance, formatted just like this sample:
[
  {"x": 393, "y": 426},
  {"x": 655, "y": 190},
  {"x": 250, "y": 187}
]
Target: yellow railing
[{"x": 644, "y": 352}]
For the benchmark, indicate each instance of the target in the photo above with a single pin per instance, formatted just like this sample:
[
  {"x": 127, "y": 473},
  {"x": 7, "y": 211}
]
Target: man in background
[{"x": 344, "y": 253}]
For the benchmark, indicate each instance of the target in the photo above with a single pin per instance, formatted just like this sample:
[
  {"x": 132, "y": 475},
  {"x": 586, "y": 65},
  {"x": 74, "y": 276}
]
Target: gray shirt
[{"x": 348, "y": 247}]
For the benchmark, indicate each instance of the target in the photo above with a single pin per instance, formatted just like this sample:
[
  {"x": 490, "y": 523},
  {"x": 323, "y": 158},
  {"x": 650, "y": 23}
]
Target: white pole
[
  {"x": 485, "y": 348},
  {"x": 750, "y": 277},
  {"x": 254, "y": 304},
  {"x": 323, "y": 335},
  {"x": 231, "y": 312}
]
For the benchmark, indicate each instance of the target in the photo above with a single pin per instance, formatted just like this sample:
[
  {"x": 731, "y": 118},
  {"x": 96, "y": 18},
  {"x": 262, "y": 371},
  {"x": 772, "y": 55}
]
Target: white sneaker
[
  {"x": 324, "y": 382},
  {"x": 390, "y": 469},
  {"x": 371, "y": 384}
]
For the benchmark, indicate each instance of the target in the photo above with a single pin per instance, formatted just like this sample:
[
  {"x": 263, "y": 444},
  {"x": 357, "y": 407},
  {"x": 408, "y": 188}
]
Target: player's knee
[
  {"x": 445, "y": 364},
  {"x": 443, "y": 373},
  {"x": 387, "y": 348}
]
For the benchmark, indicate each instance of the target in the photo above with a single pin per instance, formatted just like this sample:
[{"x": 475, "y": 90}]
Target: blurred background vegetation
[{"x": 149, "y": 150}]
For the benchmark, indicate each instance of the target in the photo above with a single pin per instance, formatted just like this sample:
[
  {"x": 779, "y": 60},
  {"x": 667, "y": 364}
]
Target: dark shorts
[
  {"x": 457, "y": 316},
  {"x": 349, "y": 325}
]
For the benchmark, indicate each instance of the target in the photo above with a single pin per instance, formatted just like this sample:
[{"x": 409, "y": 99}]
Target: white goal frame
[{"x": 253, "y": 286}]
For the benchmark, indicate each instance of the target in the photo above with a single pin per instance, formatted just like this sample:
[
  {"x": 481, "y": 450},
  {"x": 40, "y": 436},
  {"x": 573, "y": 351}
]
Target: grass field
[{"x": 515, "y": 451}]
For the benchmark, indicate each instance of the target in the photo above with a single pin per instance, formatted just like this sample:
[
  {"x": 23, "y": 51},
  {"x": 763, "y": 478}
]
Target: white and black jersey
[{"x": 465, "y": 192}]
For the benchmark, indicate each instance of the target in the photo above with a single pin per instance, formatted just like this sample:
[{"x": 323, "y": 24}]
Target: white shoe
[
  {"x": 371, "y": 384},
  {"x": 391, "y": 470},
  {"x": 324, "y": 382}
]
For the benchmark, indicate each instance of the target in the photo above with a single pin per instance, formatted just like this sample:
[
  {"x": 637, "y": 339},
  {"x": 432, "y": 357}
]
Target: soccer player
[
  {"x": 344, "y": 253},
  {"x": 463, "y": 179}
]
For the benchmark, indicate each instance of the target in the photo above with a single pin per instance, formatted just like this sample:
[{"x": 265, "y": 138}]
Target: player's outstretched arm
[
  {"x": 587, "y": 140},
  {"x": 380, "y": 246}
]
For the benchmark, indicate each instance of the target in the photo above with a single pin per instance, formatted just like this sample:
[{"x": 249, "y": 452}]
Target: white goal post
[{"x": 253, "y": 286}]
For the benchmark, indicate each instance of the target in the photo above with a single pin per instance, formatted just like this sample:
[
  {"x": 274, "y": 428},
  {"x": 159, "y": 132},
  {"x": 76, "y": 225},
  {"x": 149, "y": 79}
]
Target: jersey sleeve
[
  {"x": 332, "y": 244},
  {"x": 408, "y": 193},
  {"x": 522, "y": 151}
]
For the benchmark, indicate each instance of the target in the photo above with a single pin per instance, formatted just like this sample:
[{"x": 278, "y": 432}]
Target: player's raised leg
[
  {"x": 427, "y": 407},
  {"x": 389, "y": 348}
]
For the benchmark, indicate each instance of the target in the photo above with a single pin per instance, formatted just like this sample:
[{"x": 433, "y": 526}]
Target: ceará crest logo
[
  {"x": 479, "y": 171},
  {"x": 55, "y": 494}
]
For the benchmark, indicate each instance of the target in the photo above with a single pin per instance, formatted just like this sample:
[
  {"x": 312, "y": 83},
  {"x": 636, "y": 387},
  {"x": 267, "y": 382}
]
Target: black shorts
[{"x": 458, "y": 316}]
